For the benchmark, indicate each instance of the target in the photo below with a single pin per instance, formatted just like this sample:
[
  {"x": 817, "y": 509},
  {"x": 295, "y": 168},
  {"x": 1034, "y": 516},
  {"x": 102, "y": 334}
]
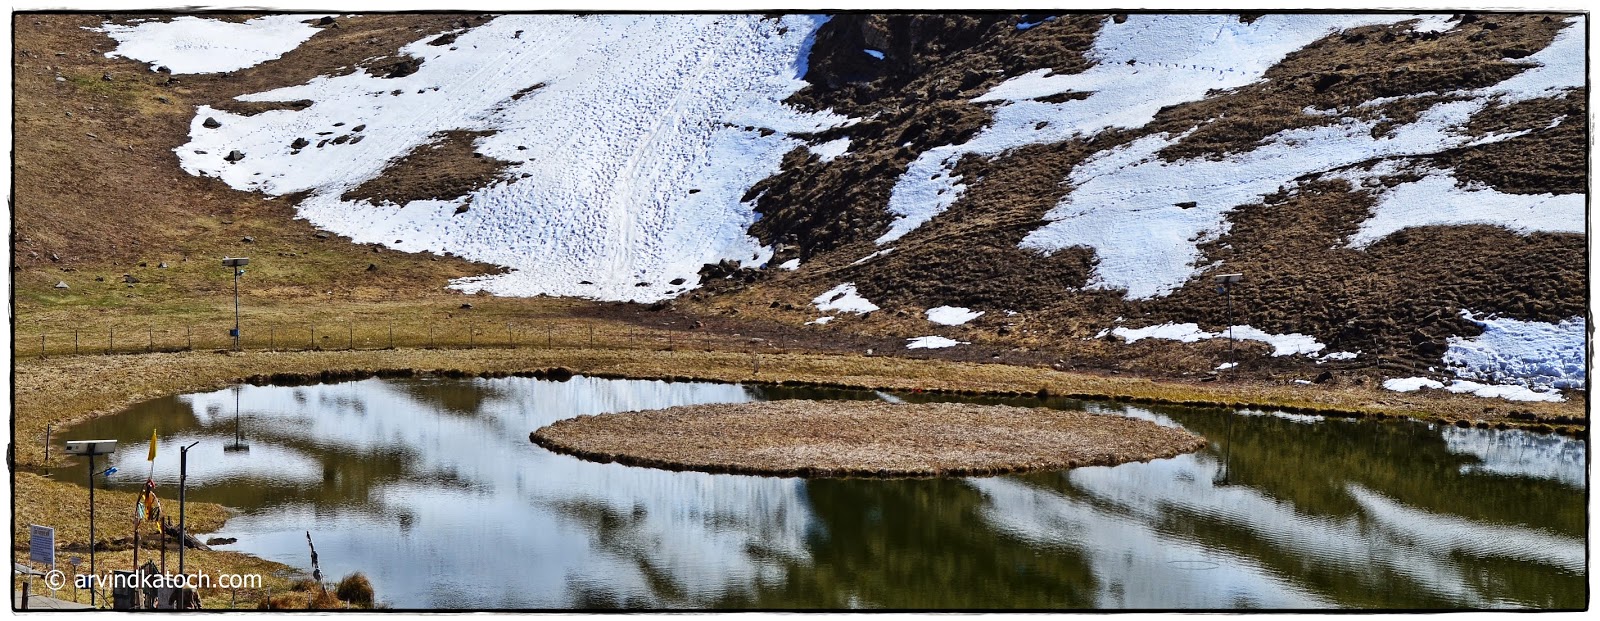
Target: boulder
[
  {"x": 299, "y": 143},
  {"x": 210, "y": 123},
  {"x": 234, "y": 156},
  {"x": 62, "y": 284},
  {"x": 128, "y": 278}
]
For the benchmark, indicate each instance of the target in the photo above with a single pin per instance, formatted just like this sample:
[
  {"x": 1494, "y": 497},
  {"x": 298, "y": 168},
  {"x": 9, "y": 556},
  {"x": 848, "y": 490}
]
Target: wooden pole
[
  {"x": 74, "y": 341},
  {"x": 549, "y": 335},
  {"x": 591, "y": 336},
  {"x": 151, "y": 333},
  {"x": 41, "y": 346},
  {"x": 113, "y": 346},
  {"x": 313, "y": 336},
  {"x": 188, "y": 333}
]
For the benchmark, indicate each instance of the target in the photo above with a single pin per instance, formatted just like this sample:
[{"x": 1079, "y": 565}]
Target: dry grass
[
  {"x": 863, "y": 439},
  {"x": 40, "y": 500}
]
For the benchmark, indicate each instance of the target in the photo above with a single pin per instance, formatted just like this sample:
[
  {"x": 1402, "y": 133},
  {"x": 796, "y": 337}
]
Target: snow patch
[
  {"x": 1438, "y": 199},
  {"x": 1293, "y": 343},
  {"x": 1142, "y": 65},
  {"x": 634, "y": 111},
  {"x": 1502, "y": 391},
  {"x": 831, "y": 149},
  {"x": 872, "y": 256},
  {"x": 844, "y": 298},
  {"x": 1124, "y": 203},
  {"x": 932, "y": 342},
  {"x": 202, "y": 45},
  {"x": 1433, "y": 23},
  {"x": 1339, "y": 355},
  {"x": 791, "y": 265},
  {"x": 1409, "y": 384},
  {"x": 952, "y": 315},
  {"x": 1531, "y": 353},
  {"x": 819, "y": 321}
]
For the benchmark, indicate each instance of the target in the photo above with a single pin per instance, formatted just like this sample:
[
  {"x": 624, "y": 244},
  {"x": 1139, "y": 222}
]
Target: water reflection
[{"x": 432, "y": 488}]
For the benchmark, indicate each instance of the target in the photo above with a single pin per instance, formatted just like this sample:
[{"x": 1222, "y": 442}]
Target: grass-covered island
[{"x": 863, "y": 439}]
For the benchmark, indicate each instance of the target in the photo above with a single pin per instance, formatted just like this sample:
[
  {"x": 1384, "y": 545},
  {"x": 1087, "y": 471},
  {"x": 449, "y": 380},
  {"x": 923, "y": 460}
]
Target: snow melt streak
[{"x": 629, "y": 114}]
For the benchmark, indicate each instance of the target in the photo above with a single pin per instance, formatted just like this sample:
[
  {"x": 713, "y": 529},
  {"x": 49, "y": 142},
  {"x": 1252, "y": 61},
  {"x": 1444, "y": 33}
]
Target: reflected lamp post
[{"x": 237, "y": 264}]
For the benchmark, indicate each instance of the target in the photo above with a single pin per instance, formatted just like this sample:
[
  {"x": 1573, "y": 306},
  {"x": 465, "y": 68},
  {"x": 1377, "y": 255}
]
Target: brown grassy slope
[
  {"x": 106, "y": 202},
  {"x": 1395, "y": 301}
]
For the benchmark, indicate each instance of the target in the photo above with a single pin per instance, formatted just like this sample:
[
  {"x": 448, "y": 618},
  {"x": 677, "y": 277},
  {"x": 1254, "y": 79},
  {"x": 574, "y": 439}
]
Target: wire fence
[{"x": 353, "y": 335}]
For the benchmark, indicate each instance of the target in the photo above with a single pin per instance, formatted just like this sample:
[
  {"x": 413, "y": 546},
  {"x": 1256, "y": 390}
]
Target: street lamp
[
  {"x": 183, "y": 531},
  {"x": 90, "y": 449},
  {"x": 237, "y": 263},
  {"x": 1225, "y": 283}
]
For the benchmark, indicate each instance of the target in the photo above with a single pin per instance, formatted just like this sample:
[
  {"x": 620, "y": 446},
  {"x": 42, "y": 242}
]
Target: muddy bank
[{"x": 863, "y": 439}]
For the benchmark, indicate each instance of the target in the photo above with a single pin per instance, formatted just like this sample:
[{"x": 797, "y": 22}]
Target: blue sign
[
  {"x": 233, "y": 332},
  {"x": 42, "y": 544}
]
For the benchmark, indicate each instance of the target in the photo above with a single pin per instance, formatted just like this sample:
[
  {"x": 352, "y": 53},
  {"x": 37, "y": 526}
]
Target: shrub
[{"x": 356, "y": 589}]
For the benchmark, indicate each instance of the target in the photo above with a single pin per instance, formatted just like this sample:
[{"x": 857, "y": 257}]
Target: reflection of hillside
[
  {"x": 1310, "y": 465},
  {"x": 1309, "y": 514},
  {"x": 917, "y": 544}
]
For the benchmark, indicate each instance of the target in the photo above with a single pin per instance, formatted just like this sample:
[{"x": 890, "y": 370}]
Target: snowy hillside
[
  {"x": 631, "y": 141},
  {"x": 1403, "y": 191}
]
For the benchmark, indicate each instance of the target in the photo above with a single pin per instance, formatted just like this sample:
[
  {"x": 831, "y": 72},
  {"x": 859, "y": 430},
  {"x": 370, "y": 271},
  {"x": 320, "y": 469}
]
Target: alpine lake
[{"x": 431, "y": 488}]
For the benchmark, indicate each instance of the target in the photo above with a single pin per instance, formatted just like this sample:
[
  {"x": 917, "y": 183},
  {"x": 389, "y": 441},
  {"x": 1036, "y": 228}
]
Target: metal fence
[{"x": 338, "y": 335}]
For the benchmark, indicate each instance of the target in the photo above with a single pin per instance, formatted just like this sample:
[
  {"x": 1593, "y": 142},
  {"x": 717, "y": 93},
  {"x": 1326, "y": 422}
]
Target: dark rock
[
  {"x": 144, "y": 264},
  {"x": 342, "y": 139},
  {"x": 234, "y": 156},
  {"x": 372, "y": 267},
  {"x": 327, "y": 20},
  {"x": 164, "y": 100},
  {"x": 461, "y": 210},
  {"x": 128, "y": 278},
  {"x": 210, "y": 123},
  {"x": 1324, "y": 377},
  {"x": 675, "y": 281},
  {"x": 466, "y": 306},
  {"x": 641, "y": 284},
  {"x": 358, "y": 127},
  {"x": 248, "y": 240},
  {"x": 444, "y": 39},
  {"x": 299, "y": 143},
  {"x": 162, "y": 265},
  {"x": 322, "y": 234},
  {"x": 99, "y": 278},
  {"x": 585, "y": 282},
  {"x": 55, "y": 257},
  {"x": 221, "y": 541},
  {"x": 1185, "y": 205},
  {"x": 106, "y": 76}
]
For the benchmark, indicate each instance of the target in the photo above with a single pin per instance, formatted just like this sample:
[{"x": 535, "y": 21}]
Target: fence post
[
  {"x": 391, "y": 335},
  {"x": 151, "y": 333},
  {"x": 74, "y": 342},
  {"x": 591, "y": 336},
  {"x": 41, "y": 346},
  {"x": 549, "y": 335},
  {"x": 510, "y": 341},
  {"x": 188, "y": 333},
  {"x": 112, "y": 347},
  {"x": 313, "y": 336}
]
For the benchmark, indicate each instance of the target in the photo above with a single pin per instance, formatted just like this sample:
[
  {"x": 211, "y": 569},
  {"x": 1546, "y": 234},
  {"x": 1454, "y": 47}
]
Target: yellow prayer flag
[{"x": 152, "y": 446}]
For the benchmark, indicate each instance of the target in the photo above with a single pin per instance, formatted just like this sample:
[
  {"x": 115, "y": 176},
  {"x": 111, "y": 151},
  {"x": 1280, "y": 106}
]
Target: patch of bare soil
[
  {"x": 447, "y": 166},
  {"x": 863, "y": 439}
]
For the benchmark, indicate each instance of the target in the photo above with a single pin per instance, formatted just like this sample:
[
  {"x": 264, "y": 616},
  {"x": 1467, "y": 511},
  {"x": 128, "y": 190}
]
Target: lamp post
[
  {"x": 1225, "y": 283},
  {"x": 91, "y": 449},
  {"x": 236, "y": 263}
]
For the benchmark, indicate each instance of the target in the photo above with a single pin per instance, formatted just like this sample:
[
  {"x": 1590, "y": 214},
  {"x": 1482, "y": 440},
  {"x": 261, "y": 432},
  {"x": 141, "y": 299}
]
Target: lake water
[{"x": 431, "y": 487}]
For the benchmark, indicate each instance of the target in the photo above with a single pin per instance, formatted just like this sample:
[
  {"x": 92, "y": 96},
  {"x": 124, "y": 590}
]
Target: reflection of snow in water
[
  {"x": 1519, "y": 453},
  {"x": 1138, "y": 563},
  {"x": 1127, "y": 521},
  {"x": 499, "y": 522}
]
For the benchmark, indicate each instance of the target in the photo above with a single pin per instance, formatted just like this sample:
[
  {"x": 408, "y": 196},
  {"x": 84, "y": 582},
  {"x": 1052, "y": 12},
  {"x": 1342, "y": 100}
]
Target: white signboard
[{"x": 42, "y": 544}]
